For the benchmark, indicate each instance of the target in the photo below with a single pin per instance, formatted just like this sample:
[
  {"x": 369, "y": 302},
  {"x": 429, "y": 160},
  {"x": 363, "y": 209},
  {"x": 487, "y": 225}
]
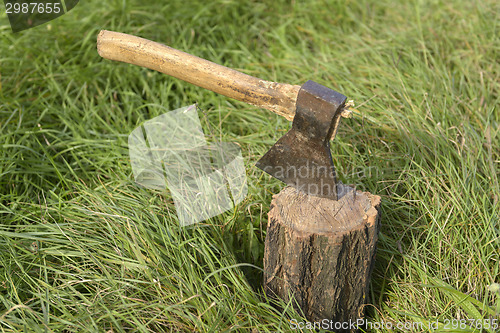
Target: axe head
[{"x": 302, "y": 158}]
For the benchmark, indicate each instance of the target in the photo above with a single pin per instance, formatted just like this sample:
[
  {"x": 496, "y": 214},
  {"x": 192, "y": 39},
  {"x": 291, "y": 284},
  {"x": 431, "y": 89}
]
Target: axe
[{"x": 301, "y": 158}]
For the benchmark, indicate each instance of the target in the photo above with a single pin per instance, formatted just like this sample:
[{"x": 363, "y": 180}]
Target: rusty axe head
[{"x": 302, "y": 158}]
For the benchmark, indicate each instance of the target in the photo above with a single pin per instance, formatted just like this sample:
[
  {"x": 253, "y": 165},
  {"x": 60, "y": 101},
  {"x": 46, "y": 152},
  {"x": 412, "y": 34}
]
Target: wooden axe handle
[{"x": 277, "y": 97}]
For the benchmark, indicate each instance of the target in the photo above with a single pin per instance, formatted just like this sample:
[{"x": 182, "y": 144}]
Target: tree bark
[{"x": 321, "y": 252}]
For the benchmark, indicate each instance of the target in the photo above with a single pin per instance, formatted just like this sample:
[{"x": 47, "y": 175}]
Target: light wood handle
[{"x": 277, "y": 97}]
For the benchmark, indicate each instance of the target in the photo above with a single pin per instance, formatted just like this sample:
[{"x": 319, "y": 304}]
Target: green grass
[{"x": 83, "y": 248}]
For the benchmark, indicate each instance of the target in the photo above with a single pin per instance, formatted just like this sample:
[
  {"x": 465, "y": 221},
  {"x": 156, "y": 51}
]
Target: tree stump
[{"x": 321, "y": 252}]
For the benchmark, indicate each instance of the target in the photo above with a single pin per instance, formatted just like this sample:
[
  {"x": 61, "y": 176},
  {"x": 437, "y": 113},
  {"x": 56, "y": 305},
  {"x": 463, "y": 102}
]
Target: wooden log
[{"x": 321, "y": 252}]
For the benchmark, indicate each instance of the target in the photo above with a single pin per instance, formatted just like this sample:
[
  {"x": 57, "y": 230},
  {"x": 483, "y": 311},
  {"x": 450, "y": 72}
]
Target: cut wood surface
[{"x": 322, "y": 251}]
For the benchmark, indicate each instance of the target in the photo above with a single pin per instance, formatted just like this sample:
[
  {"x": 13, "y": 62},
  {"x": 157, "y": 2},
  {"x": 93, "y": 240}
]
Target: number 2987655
[{"x": 32, "y": 8}]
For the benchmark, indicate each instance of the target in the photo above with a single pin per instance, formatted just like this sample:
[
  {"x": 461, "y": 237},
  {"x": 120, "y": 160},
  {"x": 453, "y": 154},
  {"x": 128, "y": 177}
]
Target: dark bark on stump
[{"x": 322, "y": 252}]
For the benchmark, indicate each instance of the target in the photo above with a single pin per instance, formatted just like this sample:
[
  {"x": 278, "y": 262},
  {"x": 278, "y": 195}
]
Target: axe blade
[{"x": 302, "y": 158}]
